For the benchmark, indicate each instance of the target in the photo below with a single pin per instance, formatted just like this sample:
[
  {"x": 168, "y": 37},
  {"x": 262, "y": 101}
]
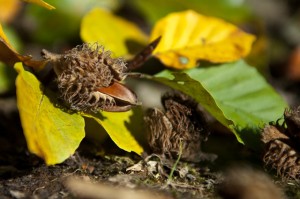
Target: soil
[{"x": 23, "y": 175}]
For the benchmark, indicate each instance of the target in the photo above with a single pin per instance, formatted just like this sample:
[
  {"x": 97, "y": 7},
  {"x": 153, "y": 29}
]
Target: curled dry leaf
[
  {"x": 188, "y": 37},
  {"x": 182, "y": 123},
  {"x": 281, "y": 151},
  {"x": 10, "y": 56},
  {"x": 143, "y": 56}
]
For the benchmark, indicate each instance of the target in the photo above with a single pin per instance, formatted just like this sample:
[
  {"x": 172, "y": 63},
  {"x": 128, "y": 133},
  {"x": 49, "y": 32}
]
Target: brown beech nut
[
  {"x": 181, "y": 124},
  {"x": 88, "y": 79}
]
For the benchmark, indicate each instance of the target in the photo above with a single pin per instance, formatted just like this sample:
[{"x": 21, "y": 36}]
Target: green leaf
[
  {"x": 234, "y": 11},
  {"x": 113, "y": 32},
  {"x": 182, "y": 82},
  {"x": 120, "y": 126},
  {"x": 242, "y": 93},
  {"x": 51, "y": 133},
  {"x": 236, "y": 89}
]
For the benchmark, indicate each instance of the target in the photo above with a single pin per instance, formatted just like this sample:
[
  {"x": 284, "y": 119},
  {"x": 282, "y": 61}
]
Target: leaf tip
[{"x": 18, "y": 67}]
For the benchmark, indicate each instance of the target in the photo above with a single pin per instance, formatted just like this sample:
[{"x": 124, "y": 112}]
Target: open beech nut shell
[{"x": 123, "y": 96}]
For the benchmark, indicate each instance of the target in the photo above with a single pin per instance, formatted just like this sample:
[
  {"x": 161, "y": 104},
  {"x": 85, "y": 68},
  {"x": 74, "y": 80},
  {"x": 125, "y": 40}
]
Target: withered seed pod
[
  {"x": 182, "y": 123},
  {"x": 88, "y": 79},
  {"x": 281, "y": 151}
]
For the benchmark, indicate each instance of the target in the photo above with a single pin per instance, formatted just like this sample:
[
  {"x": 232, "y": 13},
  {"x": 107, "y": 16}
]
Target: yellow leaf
[
  {"x": 188, "y": 37},
  {"x": 116, "y": 125},
  {"x": 51, "y": 133},
  {"x": 113, "y": 32},
  {"x": 3, "y": 37},
  {"x": 9, "y": 9},
  {"x": 41, "y": 3}
]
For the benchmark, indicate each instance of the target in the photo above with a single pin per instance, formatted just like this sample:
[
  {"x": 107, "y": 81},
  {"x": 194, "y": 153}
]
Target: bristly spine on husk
[
  {"x": 182, "y": 123},
  {"x": 83, "y": 70},
  {"x": 282, "y": 146}
]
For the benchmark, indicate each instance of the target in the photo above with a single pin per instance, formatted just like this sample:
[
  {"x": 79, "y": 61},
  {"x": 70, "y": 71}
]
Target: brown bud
[
  {"x": 87, "y": 79},
  {"x": 182, "y": 123}
]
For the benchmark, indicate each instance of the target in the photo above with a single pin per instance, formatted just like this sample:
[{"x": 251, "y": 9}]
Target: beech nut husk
[
  {"x": 88, "y": 79},
  {"x": 281, "y": 145},
  {"x": 182, "y": 123}
]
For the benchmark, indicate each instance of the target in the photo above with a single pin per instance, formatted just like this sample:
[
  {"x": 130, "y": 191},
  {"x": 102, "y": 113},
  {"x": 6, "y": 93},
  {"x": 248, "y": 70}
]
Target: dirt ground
[{"x": 91, "y": 174}]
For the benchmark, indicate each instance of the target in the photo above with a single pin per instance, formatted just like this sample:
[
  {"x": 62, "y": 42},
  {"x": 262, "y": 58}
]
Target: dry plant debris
[
  {"x": 281, "y": 151},
  {"x": 182, "y": 123},
  {"x": 188, "y": 179}
]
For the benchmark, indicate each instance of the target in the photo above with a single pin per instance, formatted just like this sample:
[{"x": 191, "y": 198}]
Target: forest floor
[{"x": 91, "y": 173}]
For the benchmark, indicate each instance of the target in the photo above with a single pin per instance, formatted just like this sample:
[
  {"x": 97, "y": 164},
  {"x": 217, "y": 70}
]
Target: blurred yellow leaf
[
  {"x": 9, "y": 55},
  {"x": 51, "y": 133},
  {"x": 9, "y": 9},
  {"x": 188, "y": 37},
  {"x": 117, "y": 125},
  {"x": 41, "y": 3},
  {"x": 113, "y": 32},
  {"x": 3, "y": 37}
]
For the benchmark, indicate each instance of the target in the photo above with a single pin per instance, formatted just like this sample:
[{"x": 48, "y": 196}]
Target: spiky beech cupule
[
  {"x": 181, "y": 124},
  {"x": 281, "y": 145},
  {"x": 83, "y": 71}
]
